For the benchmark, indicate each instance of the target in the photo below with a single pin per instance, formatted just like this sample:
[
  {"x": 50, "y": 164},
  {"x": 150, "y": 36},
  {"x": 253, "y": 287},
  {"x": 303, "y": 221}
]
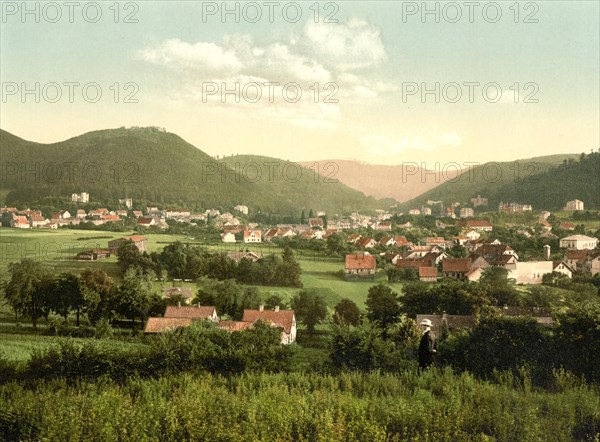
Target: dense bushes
[
  {"x": 199, "y": 348},
  {"x": 437, "y": 405}
]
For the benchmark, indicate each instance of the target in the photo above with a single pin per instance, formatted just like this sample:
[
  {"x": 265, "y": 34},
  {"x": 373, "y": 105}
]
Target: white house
[
  {"x": 242, "y": 209},
  {"x": 228, "y": 237},
  {"x": 574, "y": 205},
  {"x": 532, "y": 272},
  {"x": 579, "y": 242},
  {"x": 252, "y": 236}
]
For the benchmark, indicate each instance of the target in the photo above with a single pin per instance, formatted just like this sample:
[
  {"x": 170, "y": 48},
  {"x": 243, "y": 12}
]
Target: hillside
[
  {"x": 401, "y": 182},
  {"x": 152, "y": 166},
  {"x": 528, "y": 181},
  {"x": 298, "y": 186}
]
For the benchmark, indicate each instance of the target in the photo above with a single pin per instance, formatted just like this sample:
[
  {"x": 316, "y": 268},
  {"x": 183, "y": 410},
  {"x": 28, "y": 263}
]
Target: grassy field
[{"x": 58, "y": 247}]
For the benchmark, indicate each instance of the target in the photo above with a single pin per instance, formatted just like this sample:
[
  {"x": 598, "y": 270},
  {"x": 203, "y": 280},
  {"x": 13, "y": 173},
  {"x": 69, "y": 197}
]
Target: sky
[{"x": 379, "y": 82}]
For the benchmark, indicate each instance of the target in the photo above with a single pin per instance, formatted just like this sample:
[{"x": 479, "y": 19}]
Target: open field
[{"x": 57, "y": 248}]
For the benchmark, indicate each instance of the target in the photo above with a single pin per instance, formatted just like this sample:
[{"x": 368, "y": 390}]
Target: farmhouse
[
  {"x": 428, "y": 274},
  {"x": 360, "y": 264},
  {"x": 286, "y": 319},
  {"x": 138, "y": 240},
  {"x": 456, "y": 268},
  {"x": 93, "y": 255},
  {"x": 160, "y": 325},
  {"x": 252, "y": 236},
  {"x": 196, "y": 313},
  {"x": 475, "y": 224}
]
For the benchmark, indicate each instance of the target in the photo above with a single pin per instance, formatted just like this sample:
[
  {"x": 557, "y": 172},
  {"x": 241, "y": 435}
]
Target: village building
[
  {"x": 476, "y": 224},
  {"x": 184, "y": 293},
  {"x": 360, "y": 264},
  {"x": 196, "y": 313},
  {"x": 579, "y": 242},
  {"x": 574, "y": 205},
  {"x": 285, "y": 319},
  {"x": 456, "y": 268},
  {"x": 93, "y": 255},
  {"x": 139, "y": 241},
  {"x": 428, "y": 274},
  {"x": 252, "y": 236}
]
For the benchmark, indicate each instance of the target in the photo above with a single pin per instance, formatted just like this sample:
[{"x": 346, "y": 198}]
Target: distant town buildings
[
  {"x": 127, "y": 202},
  {"x": 579, "y": 242},
  {"x": 479, "y": 201},
  {"x": 574, "y": 205},
  {"x": 466, "y": 212},
  {"x": 514, "y": 207},
  {"x": 82, "y": 197},
  {"x": 242, "y": 209}
]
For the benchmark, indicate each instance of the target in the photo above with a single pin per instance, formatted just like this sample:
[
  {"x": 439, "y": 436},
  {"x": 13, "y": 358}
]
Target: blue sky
[{"x": 371, "y": 61}]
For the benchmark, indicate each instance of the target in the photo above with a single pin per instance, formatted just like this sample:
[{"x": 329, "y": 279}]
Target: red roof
[
  {"x": 158, "y": 325},
  {"x": 427, "y": 272},
  {"x": 190, "y": 312},
  {"x": 136, "y": 238},
  {"x": 456, "y": 265},
  {"x": 360, "y": 261},
  {"x": 232, "y": 326},
  {"x": 284, "y": 318}
]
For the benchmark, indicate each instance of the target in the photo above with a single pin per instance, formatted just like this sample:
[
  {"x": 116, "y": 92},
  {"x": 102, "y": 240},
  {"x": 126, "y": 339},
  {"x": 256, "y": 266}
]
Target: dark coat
[{"x": 426, "y": 349}]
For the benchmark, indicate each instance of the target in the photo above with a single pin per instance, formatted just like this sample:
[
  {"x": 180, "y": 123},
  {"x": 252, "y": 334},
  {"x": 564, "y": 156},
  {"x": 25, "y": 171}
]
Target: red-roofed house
[
  {"x": 286, "y": 319},
  {"x": 456, "y": 268},
  {"x": 195, "y": 313},
  {"x": 565, "y": 225},
  {"x": 160, "y": 325},
  {"x": 360, "y": 264},
  {"x": 252, "y": 236},
  {"x": 366, "y": 243},
  {"x": 19, "y": 222},
  {"x": 476, "y": 224},
  {"x": 138, "y": 240},
  {"x": 428, "y": 274}
]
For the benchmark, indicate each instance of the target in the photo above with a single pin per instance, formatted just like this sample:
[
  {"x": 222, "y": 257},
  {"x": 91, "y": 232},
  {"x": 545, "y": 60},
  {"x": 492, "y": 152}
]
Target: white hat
[{"x": 426, "y": 322}]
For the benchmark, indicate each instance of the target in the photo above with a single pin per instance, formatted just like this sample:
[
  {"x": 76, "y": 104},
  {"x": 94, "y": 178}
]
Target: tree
[
  {"x": 303, "y": 217},
  {"x": 97, "y": 288},
  {"x": 225, "y": 296},
  {"x": 335, "y": 245},
  {"x": 346, "y": 312},
  {"x": 289, "y": 270},
  {"x": 68, "y": 295},
  {"x": 275, "y": 301},
  {"x": 27, "y": 291},
  {"x": 310, "y": 309},
  {"x": 382, "y": 306},
  {"x": 134, "y": 295}
]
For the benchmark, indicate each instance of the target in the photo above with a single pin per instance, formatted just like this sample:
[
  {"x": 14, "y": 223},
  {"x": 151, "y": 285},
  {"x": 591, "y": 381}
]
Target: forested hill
[
  {"x": 157, "y": 167},
  {"x": 544, "y": 182}
]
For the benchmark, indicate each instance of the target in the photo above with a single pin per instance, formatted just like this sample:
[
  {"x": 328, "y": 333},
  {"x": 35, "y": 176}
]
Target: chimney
[
  {"x": 547, "y": 252},
  {"x": 276, "y": 308},
  {"x": 261, "y": 308}
]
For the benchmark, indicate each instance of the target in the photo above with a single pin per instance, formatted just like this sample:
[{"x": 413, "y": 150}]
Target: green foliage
[
  {"x": 310, "y": 308},
  {"x": 346, "y": 312},
  {"x": 382, "y": 306},
  {"x": 228, "y": 297}
]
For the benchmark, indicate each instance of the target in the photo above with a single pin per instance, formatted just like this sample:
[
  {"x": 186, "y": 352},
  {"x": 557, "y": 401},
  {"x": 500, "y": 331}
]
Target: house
[
  {"x": 479, "y": 201},
  {"x": 315, "y": 223},
  {"x": 352, "y": 239},
  {"x": 366, "y": 243},
  {"x": 456, "y": 268},
  {"x": 566, "y": 225},
  {"x": 111, "y": 218},
  {"x": 137, "y": 213},
  {"x": 428, "y": 274},
  {"x": 38, "y": 221},
  {"x": 97, "y": 213},
  {"x": 473, "y": 235},
  {"x": 178, "y": 292},
  {"x": 530, "y": 272},
  {"x": 579, "y": 242},
  {"x": 82, "y": 197},
  {"x": 401, "y": 241},
  {"x": 406, "y": 225},
  {"x": 234, "y": 326},
  {"x": 385, "y": 226},
  {"x": 93, "y": 255},
  {"x": 474, "y": 274},
  {"x": 411, "y": 263},
  {"x": 545, "y": 225},
  {"x": 421, "y": 251},
  {"x": 387, "y": 241},
  {"x": 476, "y": 224},
  {"x": 252, "y": 236},
  {"x": 574, "y": 205},
  {"x": 148, "y": 221},
  {"x": 238, "y": 256},
  {"x": 161, "y": 325},
  {"x": 176, "y": 213},
  {"x": 139, "y": 241},
  {"x": 286, "y": 319},
  {"x": 491, "y": 252},
  {"x": 196, "y": 313},
  {"x": 466, "y": 212},
  {"x": 576, "y": 259},
  {"x": 19, "y": 222},
  {"x": 360, "y": 264},
  {"x": 561, "y": 267},
  {"x": 228, "y": 237},
  {"x": 242, "y": 209},
  {"x": 435, "y": 241},
  {"x": 592, "y": 265},
  {"x": 81, "y": 214}
]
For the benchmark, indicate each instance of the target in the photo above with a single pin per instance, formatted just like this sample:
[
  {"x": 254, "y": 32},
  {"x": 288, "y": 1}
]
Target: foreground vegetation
[{"x": 435, "y": 406}]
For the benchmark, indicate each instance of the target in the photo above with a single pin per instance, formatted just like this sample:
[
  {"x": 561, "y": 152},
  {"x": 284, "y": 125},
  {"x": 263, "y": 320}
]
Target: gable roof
[
  {"x": 159, "y": 325},
  {"x": 427, "y": 272},
  {"x": 189, "y": 312},
  {"x": 232, "y": 326},
  {"x": 456, "y": 265},
  {"x": 283, "y": 318},
  {"x": 360, "y": 261}
]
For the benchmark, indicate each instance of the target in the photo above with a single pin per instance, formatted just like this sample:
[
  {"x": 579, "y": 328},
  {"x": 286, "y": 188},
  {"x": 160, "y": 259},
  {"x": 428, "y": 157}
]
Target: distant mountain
[
  {"x": 150, "y": 165},
  {"x": 544, "y": 182},
  {"x": 401, "y": 182}
]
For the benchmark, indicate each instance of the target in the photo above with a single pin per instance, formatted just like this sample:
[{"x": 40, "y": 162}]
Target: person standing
[{"x": 426, "y": 346}]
